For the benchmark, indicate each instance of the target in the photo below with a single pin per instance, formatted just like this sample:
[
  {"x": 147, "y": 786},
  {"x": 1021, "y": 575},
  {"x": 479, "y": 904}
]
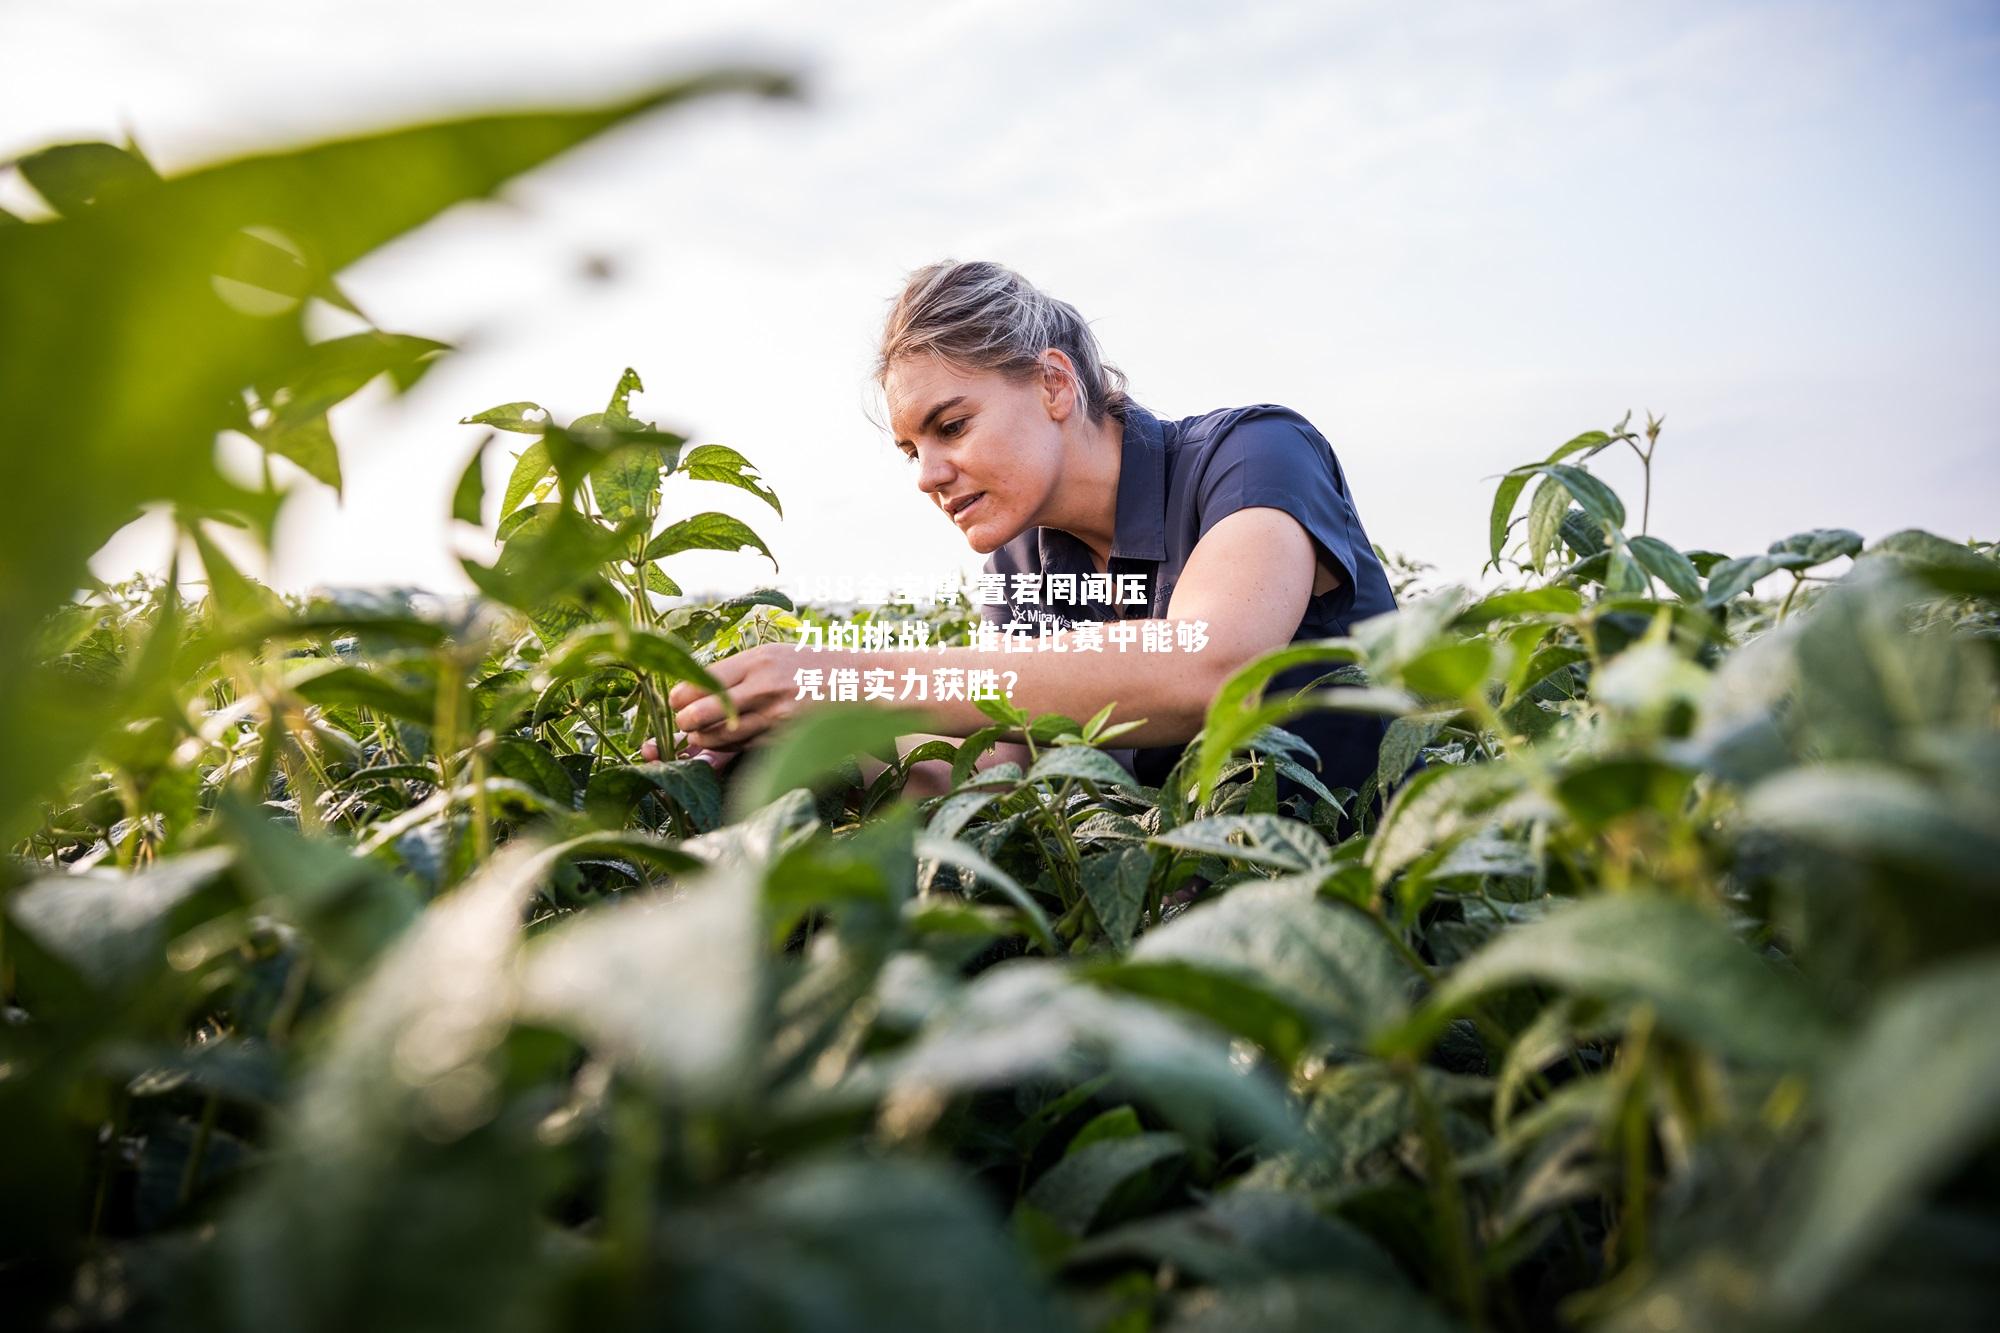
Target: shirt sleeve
[{"x": 1273, "y": 458}]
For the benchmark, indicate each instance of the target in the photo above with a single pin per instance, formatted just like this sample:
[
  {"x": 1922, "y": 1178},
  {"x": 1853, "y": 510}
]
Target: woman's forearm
[{"x": 1170, "y": 690}]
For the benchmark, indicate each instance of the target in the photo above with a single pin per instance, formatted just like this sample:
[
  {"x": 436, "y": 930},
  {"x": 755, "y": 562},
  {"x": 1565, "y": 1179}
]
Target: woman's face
[{"x": 986, "y": 450}]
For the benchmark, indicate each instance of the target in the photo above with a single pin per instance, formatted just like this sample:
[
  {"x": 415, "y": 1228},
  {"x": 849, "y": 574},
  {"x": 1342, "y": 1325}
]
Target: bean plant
[{"x": 359, "y": 974}]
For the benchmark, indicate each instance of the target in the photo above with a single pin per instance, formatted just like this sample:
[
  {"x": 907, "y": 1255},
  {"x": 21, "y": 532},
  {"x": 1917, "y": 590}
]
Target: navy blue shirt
[{"x": 1178, "y": 479}]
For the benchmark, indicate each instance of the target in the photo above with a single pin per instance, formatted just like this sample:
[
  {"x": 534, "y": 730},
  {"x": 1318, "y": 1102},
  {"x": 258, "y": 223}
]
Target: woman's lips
[{"x": 958, "y": 515}]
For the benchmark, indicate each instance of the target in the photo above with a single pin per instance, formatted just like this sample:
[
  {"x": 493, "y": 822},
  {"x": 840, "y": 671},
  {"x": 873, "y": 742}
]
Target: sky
[{"x": 1452, "y": 235}]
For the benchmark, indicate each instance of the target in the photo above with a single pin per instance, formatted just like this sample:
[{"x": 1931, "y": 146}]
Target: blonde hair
[{"x": 984, "y": 316}]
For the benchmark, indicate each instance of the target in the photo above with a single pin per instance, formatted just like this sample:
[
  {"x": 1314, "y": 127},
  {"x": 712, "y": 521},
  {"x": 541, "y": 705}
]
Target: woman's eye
[
  {"x": 951, "y": 428},
  {"x": 909, "y": 455}
]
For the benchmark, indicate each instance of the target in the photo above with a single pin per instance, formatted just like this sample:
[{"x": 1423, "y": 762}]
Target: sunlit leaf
[{"x": 1703, "y": 982}]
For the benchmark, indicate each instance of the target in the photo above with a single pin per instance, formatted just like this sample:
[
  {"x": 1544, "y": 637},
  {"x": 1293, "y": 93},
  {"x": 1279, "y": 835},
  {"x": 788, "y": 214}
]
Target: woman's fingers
[
  {"x": 649, "y": 750},
  {"x": 752, "y": 682},
  {"x": 759, "y": 685},
  {"x": 729, "y": 736}
]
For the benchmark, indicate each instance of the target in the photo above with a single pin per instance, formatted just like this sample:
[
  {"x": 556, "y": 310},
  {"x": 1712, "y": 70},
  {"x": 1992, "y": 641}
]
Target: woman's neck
[{"x": 1085, "y": 503}]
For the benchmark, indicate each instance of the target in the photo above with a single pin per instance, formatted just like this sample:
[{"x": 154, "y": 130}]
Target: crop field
[{"x": 360, "y": 974}]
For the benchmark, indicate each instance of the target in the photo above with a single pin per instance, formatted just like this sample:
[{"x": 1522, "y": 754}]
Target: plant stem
[
  {"x": 1452, "y": 1228},
  {"x": 203, "y": 1132},
  {"x": 1635, "y": 1140},
  {"x": 1784, "y": 608}
]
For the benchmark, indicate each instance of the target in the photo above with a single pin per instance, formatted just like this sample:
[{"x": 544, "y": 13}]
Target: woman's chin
[{"x": 988, "y": 538}]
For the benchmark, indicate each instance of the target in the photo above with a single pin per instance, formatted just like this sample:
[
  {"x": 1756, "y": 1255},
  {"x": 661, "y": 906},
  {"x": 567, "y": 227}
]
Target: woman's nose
[{"x": 932, "y": 474}]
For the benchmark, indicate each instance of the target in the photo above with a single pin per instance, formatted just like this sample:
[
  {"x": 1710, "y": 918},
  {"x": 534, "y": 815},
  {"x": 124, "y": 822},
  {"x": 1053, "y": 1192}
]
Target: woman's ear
[{"x": 1059, "y": 384}]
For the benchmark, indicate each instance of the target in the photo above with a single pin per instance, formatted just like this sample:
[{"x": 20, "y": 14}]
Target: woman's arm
[{"x": 1249, "y": 579}]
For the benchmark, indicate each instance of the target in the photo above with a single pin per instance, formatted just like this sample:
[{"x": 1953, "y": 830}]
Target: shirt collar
[{"x": 1141, "y": 525}]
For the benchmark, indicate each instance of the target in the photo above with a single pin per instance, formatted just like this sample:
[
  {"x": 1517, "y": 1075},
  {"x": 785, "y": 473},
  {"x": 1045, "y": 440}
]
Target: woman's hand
[
  {"x": 718, "y": 760},
  {"x": 760, "y": 681}
]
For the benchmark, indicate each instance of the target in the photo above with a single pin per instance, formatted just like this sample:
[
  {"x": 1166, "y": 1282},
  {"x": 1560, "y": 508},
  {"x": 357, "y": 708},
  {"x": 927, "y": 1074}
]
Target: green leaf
[
  {"x": 390, "y": 1123},
  {"x": 689, "y": 784},
  {"x": 1449, "y": 670},
  {"x": 1545, "y": 515},
  {"x": 521, "y": 418},
  {"x": 237, "y": 596},
  {"x": 1325, "y": 962},
  {"x": 1587, "y": 444},
  {"x": 1082, "y": 763},
  {"x": 71, "y": 178},
  {"x": 526, "y": 761},
  {"x": 1599, "y": 501},
  {"x": 1025, "y": 1019},
  {"x": 1915, "y": 1095},
  {"x": 1702, "y": 982},
  {"x": 1268, "y": 840},
  {"x": 709, "y": 531},
  {"x": 1805, "y": 550},
  {"x": 977, "y": 867},
  {"x": 335, "y": 683},
  {"x": 468, "y": 498},
  {"x": 1869, "y": 687},
  {"x": 1735, "y": 576},
  {"x": 1508, "y": 493},
  {"x": 333, "y": 371},
  {"x": 1947, "y": 565},
  {"x": 547, "y": 511},
  {"x": 1402, "y": 744},
  {"x": 1585, "y": 538},
  {"x": 1535, "y": 602},
  {"x": 1667, "y": 565},
  {"x": 1082, "y": 1183},
  {"x": 628, "y": 483},
  {"x": 1394, "y": 637},
  {"x": 655, "y": 651},
  {"x": 309, "y": 443},
  {"x": 630, "y": 845},
  {"x": 1355, "y": 1109},
  {"x": 977, "y": 744},
  {"x": 1238, "y": 1236},
  {"x": 1239, "y": 713},
  {"x": 112, "y": 929},
  {"x": 118, "y": 310},
  {"x": 1308, "y": 1304},
  {"x": 1599, "y": 791},
  {"x": 816, "y": 743},
  {"x": 618, "y": 411},
  {"x": 531, "y": 465},
  {"x": 1878, "y": 814},
  {"x": 860, "y": 1244},
  {"x": 1120, "y": 1122},
  {"x": 590, "y": 444},
  {"x": 671, "y": 989},
  {"x": 349, "y": 906},
  {"x": 555, "y": 552},
  {"x": 1505, "y": 497},
  {"x": 957, "y": 810},
  {"x": 717, "y": 462},
  {"x": 1434, "y": 810},
  {"x": 1115, "y": 883}
]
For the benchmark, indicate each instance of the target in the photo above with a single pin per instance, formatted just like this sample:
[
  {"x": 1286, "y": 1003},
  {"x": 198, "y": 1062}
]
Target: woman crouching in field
[{"x": 1218, "y": 537}]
